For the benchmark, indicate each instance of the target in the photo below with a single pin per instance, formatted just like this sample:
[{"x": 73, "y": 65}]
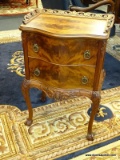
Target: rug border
[{"x": 97, "y": 151}]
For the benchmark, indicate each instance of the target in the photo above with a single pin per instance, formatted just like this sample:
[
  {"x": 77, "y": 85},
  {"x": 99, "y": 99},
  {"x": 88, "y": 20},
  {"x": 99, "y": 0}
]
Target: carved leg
[
  {"x": 25, "y": 91},
  {"x": 27, "y": 1},
  {"x": 95, "y": 107},
  {"x": 43, "y": 97}
]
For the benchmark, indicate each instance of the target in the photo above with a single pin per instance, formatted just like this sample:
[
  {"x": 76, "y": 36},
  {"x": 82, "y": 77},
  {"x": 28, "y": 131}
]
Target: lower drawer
[{"x": 62, "y": 76}]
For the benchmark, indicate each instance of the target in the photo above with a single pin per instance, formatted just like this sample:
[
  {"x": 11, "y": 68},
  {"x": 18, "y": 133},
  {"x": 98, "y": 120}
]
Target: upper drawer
[
  {"x": 66, "y": 51},
  {"x": 62, "y": 76}
]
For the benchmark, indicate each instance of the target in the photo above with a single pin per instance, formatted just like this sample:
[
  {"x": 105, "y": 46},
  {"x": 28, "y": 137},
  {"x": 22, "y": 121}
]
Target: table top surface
[{"x": 69, "y": 24}]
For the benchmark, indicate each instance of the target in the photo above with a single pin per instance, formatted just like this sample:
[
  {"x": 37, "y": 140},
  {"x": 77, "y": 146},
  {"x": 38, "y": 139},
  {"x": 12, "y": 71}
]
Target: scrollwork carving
[
  {"x": 30, "y": 16},
  {"x": 56, "y": 93}
]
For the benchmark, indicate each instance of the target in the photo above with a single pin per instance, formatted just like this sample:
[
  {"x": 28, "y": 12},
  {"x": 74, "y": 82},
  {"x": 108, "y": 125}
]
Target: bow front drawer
[
  {"x": 62, "y": 76},
  {"x": 63, "y": 51}
]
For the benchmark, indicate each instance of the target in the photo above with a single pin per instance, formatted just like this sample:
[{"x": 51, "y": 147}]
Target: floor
[{"x": 10, "y": 22}]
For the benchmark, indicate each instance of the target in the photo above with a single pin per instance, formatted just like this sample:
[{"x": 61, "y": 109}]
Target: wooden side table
[{"x": 64, "y": 55}]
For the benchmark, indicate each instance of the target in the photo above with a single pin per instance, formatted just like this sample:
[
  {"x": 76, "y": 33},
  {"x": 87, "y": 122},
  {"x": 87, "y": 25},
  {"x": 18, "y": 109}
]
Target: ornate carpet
[
  {"x": 58, "y": 129},
  {"x": 113, "y": 47},
  {"x": 108, "y": 152},
  {"x": 13, "y": 7},
  {"x": 10, "y": 36}
]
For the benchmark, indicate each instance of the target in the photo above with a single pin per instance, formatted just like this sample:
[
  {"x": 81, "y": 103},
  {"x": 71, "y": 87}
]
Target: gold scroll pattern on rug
[
  {"x": 17, "y": 63},
  {"x": 58, "y": 129}
]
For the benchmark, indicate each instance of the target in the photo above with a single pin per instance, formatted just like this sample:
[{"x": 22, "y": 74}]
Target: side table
[{"x": 64, "y": 55}]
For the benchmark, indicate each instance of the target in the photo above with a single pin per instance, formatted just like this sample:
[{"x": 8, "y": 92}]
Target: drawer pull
[
  {"x": 37, "y": 72},
  {"x": 84, "y": 80},
  {"x": 87, "y": 54},
  {"x": 36, "y": 48}
]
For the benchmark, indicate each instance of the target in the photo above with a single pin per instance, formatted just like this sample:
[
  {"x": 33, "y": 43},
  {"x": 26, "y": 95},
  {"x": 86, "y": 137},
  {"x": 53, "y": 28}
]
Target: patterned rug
[
  {"x": 14, "y": 7},
  {"x": 113, "y": 47},
  {"x": 58, "y": 129},
  {"x": 109, "y": 152},
  {"x": 10, "y": 36}
]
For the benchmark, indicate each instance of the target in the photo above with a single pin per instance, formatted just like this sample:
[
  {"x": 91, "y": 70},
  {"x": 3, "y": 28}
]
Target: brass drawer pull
[
  {"x": 35, "y": 47},
  {"x": 37, "y": 72},
  {"x": 84, "y": 80},
  {"x": 87, "y": 54}
]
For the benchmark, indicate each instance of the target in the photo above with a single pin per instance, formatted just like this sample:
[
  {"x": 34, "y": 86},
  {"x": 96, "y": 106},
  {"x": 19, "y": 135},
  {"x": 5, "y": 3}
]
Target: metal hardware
[
  {"x": 84, "y": 80},
  {"x": 87, "y": 54},
  {"x": 37, "y": 72},
  {"x": 35, "y": 47}
]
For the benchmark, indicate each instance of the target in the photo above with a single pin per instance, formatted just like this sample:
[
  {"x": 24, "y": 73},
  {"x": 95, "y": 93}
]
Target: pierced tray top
[{"x": 61, "y": 23}]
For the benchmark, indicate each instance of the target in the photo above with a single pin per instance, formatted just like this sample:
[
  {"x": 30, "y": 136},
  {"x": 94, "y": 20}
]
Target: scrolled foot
[
  {"x": 90, "y": 137},
  {"x": 28, "y": 122}
]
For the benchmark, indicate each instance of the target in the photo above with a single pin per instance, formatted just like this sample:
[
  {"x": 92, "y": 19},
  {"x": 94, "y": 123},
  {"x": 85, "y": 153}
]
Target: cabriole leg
[
  {"x": 95, "y": 108},
  {"x": 25, "y": 91}
]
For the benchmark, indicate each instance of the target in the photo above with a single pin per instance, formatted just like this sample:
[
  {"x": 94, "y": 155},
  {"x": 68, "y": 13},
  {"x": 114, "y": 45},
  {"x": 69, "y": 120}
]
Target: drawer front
[
  {"x": 66, "y": 51},
  {"x": 62, "y": 76}
]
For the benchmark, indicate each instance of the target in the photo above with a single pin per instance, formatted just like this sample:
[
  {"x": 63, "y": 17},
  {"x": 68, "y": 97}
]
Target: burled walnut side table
[{"x": 64, "y": 55}]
